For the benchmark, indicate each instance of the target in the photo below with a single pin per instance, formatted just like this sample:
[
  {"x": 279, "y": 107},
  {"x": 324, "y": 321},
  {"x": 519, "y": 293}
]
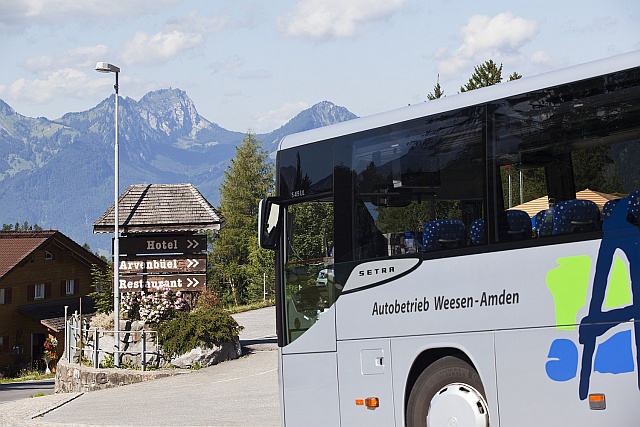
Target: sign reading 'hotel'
[{"x": 162, "y": 244}]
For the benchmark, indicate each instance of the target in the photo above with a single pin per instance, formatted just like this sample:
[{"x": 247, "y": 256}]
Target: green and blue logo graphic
[{"x": 615, "y": 299}]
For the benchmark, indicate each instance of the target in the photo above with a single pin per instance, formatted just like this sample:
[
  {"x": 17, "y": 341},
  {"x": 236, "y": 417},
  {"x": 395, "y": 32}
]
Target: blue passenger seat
[
  {"x": 633, "y": 209},
  {"x": 443, "y": 234},
  {"x": 575, "y": 215},
  {"x": 476, "y": 232},
  {"x": 519, "y": 224},
  {"x": 543, "y": 223}
]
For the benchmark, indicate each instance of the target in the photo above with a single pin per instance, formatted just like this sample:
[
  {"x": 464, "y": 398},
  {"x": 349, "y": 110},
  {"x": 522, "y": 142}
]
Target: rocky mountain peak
[
  {"x": 170, "y": 111},
  {"x": 5, "y": 109}
]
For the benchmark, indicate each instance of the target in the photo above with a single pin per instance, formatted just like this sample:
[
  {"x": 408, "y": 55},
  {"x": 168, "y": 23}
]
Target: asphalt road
[
  {"x": 237, "y": 393},
  {"x": 25, "y": 389}
]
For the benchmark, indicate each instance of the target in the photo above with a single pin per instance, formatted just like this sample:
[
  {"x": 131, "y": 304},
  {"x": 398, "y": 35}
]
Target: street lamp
[{"x": 105, "y": 67}]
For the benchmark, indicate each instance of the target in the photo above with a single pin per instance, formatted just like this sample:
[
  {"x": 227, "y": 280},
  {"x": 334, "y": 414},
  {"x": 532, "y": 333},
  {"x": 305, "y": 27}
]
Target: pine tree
[
  {"x": 437, "y": 92},
  {"x": 486, "y": 74},
  {"x": 247, "y": 180},
  {"x": 515, "y": 76}
]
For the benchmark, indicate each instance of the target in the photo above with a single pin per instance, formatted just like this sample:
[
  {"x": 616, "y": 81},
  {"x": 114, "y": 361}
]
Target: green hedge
[{"x": 201, "y": 327}]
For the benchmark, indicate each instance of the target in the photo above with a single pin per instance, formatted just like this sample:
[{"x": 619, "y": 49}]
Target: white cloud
[
  {"x": 229, "y": 64},
  {"x": 234, "y": 66},
  {"x": 258, "y": 74},
  {"x": 503, "y": 32},
  {"x": 273, "y": 119},
  {"x": 323, "y": 19},
  {"x": 66, "y": 82},
  {"x": 500, "y": 38},
  {"x": 159, "y": 47},
  {"x": 196, "y": 23},
  {"x": 82, "y": 57},
  {"x": 541, "y": 58},
  {"x": 16, "y": 15}
]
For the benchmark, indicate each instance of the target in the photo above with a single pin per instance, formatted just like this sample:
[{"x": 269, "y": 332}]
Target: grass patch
[
  {"x": 39, "y": 394},
  {"x": 27, "y": 375},
  {"x": 249, "y": 307}
]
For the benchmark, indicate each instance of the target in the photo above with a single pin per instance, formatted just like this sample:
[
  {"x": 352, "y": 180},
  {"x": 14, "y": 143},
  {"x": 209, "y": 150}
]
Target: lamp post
[{"x": 105, "y": 67}]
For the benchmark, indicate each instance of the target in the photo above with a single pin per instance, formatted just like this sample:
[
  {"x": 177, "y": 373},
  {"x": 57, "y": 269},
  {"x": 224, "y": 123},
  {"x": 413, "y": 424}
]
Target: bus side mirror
[{"x": 269, "y": 224}]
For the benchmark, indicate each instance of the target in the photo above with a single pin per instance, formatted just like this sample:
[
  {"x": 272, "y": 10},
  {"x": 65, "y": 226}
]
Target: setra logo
[{"x": 607, "y": 333}]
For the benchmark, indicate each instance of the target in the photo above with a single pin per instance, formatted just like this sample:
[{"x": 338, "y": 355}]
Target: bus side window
[{"x": 443, "y": 234}]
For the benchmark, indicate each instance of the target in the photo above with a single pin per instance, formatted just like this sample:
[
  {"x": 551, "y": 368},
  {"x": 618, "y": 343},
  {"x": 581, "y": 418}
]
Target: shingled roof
[
  {"x": 161, "y": 208},
  {"x": 16, "y": 246}
]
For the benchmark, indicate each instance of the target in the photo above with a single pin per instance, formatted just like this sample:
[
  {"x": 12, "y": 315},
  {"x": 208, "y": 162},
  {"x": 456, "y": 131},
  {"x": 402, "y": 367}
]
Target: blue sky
[{"x": 253, "y": 65}]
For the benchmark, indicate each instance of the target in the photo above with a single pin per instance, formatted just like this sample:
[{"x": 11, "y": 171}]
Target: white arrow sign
[
  {"x": 192, "y": 282},
  {"x": 192, "y": 244}
]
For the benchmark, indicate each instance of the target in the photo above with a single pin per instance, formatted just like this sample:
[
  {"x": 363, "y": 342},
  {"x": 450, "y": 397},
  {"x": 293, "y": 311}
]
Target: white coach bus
[{"x": 468, "y": 261}]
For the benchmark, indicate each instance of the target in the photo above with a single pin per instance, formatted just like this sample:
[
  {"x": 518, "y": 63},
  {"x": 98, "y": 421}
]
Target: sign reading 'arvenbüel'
[
  {"x": 176, "y": 282},
  {"x": 188, "y": 264}
]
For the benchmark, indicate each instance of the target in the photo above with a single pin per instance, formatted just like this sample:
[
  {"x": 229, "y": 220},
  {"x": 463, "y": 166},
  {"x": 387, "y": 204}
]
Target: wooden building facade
[{"x": 41, "y": 272}]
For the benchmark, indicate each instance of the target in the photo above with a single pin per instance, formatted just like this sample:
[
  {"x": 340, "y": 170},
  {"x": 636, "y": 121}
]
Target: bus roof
[{"x": 466, "y": 99}]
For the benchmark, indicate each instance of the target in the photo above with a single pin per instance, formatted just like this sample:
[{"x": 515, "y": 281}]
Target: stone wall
[{"x": 73, "y": 378}]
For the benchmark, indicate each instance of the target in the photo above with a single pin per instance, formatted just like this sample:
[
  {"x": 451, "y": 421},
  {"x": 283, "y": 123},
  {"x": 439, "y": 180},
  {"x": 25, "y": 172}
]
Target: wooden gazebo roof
[
  {"x": 532, "y": 207},
  {"x": 161, "y": 208}
]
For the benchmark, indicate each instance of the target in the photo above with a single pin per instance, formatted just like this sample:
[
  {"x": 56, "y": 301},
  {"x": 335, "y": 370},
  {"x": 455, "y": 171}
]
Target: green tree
[
  {"x": 487, "y": 74},
  {"x": 437, "y": 92},
  {"x": 24, "y": 227},
  {"x": 102, "y": 282},
  {"x": 515, "y": 76},
  {"x": 236, "y": 258},
  {"x": 594, "y": 168}
]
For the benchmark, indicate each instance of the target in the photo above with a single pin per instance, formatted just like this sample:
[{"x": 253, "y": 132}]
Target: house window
[
  {"x": 70, "y": 287},
  {"x": 5, "y": 296},
  {"x": 38, "y": 291},
  {"x": 48, "y": 255}
]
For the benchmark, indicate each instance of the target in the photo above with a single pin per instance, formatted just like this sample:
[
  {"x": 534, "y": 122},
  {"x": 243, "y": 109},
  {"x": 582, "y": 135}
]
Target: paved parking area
[{"x": 237, "y": 393}]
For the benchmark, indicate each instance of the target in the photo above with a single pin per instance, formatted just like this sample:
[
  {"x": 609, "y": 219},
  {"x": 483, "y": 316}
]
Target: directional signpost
[
  {"x": 155, "y": 262},
  {"x": 163, "y": 265},
  {"x": 163, "y": 244},
  {"x": 173, "y": 282}
]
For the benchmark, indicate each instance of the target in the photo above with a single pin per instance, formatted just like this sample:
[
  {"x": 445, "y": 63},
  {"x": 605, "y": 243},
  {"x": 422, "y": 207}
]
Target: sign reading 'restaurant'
[{"x": 176, "y": 282}]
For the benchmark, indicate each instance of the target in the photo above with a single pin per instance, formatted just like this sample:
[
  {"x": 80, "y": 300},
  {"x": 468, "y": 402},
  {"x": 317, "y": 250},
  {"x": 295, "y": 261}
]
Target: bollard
[
  {"x": 144, "y": 350},
  {"x": 96, "y": 348},
  {"x": 66, "y": 332}
]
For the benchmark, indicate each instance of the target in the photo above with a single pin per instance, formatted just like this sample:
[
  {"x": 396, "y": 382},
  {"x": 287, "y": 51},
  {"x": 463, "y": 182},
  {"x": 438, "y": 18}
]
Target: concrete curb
[{"x": 53, "y": 407}]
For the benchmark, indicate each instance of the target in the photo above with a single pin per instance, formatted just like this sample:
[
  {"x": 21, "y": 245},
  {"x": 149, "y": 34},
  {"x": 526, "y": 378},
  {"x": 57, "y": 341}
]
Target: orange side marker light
[
  {"x": 597, "y": 401},
  {"x": 371, "y": 402}
]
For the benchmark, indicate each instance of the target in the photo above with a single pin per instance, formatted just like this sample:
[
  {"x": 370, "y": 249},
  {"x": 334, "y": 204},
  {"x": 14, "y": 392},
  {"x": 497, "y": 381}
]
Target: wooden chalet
[{"x": 41, "y": 272}]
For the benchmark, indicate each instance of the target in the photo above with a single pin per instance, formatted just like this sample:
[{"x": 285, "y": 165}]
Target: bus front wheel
[{"x": 448, "y": 392}]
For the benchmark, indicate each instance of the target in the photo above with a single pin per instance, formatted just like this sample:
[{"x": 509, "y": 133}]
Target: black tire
[{"x": 445, "y": 371}]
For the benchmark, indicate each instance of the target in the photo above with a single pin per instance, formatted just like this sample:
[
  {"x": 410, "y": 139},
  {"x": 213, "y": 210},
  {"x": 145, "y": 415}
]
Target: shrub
[
  {"x": 202, "y": 327},
  {"x": 152, "y": 307},
  {"x": 103, "y": 321},
  {"x": 208, "y": 299}
]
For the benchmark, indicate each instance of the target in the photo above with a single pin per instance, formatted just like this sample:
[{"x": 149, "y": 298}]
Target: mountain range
[{"x": 59, "y": 173}]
